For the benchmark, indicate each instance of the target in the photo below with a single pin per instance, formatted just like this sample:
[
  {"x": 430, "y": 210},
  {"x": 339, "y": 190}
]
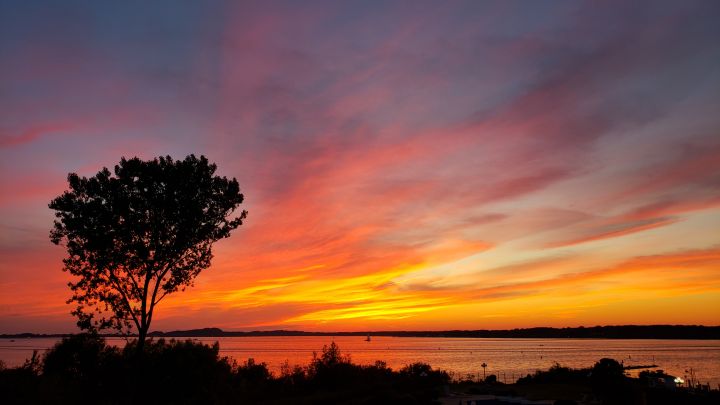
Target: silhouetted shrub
[
  {"x": 292, "y": 376},
  {"x": 179, "y": 371},
  {"x": 418, "y": 369},
  {"x": 607, "y": 370},
  {"x": 253, "y": 372},
  {"x": 557, "y": 374},
  {"x": 82, "y": 363},
  {"x": 610, "y": 384},
  {"x": 251, "y": 379},
  {"x": 421, "y": 380},
  {"x": 329, "y": 358},
  {"x": 80, "y": 358},
  {"x": 20, "y": 385},
  {"x": 331, "y": 370}
]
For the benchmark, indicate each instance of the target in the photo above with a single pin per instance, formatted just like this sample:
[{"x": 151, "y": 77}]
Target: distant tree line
[{"x": 595, "y": 332}]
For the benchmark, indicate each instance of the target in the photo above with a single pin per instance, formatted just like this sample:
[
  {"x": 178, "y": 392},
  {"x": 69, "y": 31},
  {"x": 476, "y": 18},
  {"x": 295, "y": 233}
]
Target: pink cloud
[
  {"x": 32, "y": 133},
  {"x": 615, "y": 230}
]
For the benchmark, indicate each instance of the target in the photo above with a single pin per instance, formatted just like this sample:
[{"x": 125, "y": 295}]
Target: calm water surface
[{"x": 507, "y": 358}]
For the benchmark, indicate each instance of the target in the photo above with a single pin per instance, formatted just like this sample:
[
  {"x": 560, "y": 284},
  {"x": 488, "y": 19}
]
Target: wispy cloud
[{"x": 399, "y": 163}]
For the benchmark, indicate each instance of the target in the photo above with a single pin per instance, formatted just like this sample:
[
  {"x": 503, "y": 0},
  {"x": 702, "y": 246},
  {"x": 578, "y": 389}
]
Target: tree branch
[
  {"x": 143, "y": 307},
  {"x": 161, "y": 297},
  {"x": 116, "y": 282},
  {"x": 134, "y": 282},
  {"x": 158, "y": 283}
]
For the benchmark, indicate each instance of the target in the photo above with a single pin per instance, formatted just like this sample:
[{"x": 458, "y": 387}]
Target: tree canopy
[{"x": 140, "y": 233}]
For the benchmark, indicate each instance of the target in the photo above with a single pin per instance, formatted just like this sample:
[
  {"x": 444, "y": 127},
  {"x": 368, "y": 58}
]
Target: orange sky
[{"x": 469, "y": 167}]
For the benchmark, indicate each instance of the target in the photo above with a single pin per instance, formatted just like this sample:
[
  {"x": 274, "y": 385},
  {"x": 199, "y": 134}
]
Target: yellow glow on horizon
[{"x": 564, "y": 296}]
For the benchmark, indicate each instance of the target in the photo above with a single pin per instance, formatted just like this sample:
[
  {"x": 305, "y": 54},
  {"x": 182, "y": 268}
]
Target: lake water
[{"x": 506, "y": 358}]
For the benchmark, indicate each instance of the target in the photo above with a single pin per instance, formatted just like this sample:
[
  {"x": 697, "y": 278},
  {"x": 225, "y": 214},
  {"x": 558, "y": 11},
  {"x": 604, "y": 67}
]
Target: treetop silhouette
[{"x": 140, "y": 233}]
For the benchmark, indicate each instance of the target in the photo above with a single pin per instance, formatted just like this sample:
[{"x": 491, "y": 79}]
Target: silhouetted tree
[
  {"x": 134, "y": 236},
  {"x": 608, "y": 370},
  {"x": 609, "y": 383}
]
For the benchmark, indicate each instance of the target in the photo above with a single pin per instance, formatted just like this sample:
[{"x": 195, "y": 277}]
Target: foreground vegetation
[
  {"x": 605, "y": 383},
  {"x": 84, "y": 369}
]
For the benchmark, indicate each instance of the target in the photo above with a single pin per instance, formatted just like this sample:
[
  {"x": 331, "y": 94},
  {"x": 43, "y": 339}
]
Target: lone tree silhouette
[{"x": 138, "y": 235}]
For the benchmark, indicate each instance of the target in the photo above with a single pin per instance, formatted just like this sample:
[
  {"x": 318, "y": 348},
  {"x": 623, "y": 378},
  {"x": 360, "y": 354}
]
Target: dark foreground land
[{"x": 83, "y": 369}]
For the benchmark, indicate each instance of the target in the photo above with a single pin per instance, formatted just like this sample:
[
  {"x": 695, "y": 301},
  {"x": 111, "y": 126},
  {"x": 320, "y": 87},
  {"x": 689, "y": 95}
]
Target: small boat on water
[{"x": 367, "y": 339}]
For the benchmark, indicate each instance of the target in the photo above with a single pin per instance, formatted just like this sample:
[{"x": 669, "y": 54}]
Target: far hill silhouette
[{"x": 594, "y": 332}]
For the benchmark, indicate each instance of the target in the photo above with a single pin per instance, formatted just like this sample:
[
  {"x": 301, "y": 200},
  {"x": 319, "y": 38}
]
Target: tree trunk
[{"x": 142, "y": 335}]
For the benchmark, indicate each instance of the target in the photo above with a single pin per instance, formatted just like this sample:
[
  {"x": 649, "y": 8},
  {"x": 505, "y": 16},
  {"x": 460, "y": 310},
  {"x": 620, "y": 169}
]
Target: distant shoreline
[{"x": 595, "y": 332}]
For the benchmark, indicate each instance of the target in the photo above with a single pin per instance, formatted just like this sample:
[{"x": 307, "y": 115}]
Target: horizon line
[{"x": 369, "y": 332}]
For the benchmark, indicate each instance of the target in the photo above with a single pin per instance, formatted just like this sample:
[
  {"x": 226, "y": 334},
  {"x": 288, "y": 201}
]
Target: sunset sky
[{"x": 406, "y": 165}]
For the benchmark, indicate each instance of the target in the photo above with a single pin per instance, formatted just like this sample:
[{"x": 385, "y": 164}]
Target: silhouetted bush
[
  {"x": 18, "y": 385},
  {"x": 179, "y": 371},
  {"x": 609, "y": 383},
  {"x": 557, "y": 374},
  {"x": 81, "y": 363},
  {"x": 80, "y": 358},
  {"x": 253, "y": 372},
  {"x": 291, "y": 377},
  {"x": 607, "y": 370},
  {"x": 422, "y": 380}
]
